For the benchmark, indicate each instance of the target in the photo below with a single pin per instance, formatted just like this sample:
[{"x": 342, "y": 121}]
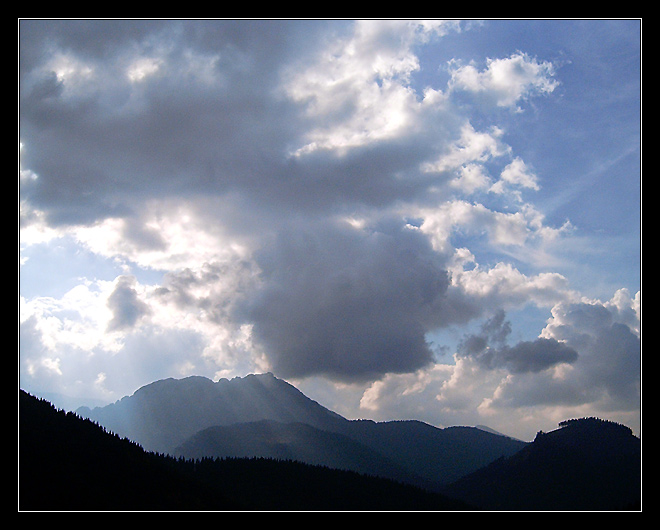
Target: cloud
[
  {"x": 472, "y": 146},
  {"x": 608, "y": 337},
  {"x": 489, "y": 349},
  {"x": 152, "y": 113},
  {"x": 359, "y": 86},
  {"x": 125, "y": 305},
  {"x": 173, "y": 109},
  {"x": 346, "y": 302},
  {"x": 606, "y": 374},
  {"x": 287, "y": 196},
  {"x": 516, "y": 174},
  {"x": 503, "y": 230},
  {"x": 505, "y": 81},
  {"x": 586, "y": 361}
]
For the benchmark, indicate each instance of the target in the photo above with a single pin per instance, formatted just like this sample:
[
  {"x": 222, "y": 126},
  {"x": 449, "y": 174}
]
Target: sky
[{"x": 436, "y": 220}]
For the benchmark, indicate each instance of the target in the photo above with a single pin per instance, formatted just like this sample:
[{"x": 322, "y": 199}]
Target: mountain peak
[
  {"x": 161, "y": 415},
  {"x": 485, "y": 428},
  {"x": 261, "y": 375}
]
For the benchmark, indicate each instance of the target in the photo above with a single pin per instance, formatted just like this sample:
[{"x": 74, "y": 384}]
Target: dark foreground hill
[
  {"x": 586, "y": 464},
  {"x": 263, "y": 416},
  {"x": 70, "y": 463}
]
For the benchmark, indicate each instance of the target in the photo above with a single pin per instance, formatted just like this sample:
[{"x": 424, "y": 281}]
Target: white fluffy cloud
[
  {"x": 516, "y": 174},
  {"x": 502, "y": 229},
  {"x": 505, "y": 81},
  {"x": 471, "y": 147},
  {"x": 359, "y": 86}
]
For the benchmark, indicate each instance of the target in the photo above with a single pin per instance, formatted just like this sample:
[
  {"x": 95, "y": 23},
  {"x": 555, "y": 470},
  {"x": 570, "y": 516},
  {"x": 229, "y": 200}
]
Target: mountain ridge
[
  {"x": 162, "y": 414},
  {"x": 168, "y": 416},
  {"x": 585, "y": 464}
]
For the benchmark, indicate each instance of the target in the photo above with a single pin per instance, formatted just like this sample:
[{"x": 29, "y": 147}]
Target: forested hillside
[
  {"x": 585, "y": 464},
  {"x": 70, "y": 463}
]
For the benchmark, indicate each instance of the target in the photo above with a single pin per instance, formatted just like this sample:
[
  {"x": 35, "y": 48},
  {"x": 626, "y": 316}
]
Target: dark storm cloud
[
  {"x": 534, "y": 356},
  {"x": 209, "y": 119},
  {"x": 206, "y": 119},
  {"x": 348, "y": 303},
  {"x": 490, "y": 350}
]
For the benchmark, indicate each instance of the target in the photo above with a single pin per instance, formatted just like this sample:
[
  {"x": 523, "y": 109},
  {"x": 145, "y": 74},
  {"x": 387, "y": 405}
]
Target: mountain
[
  {"x": 436, "y": 455},
  {"x": 182, "y": 417},
  {"x": 294, "y": 441},
  {"x": 586, "y": 464},
  {"x": 492, "y": 431},
  {"x": 162, "y": 415},
  {"x": 67, "y": 463}
]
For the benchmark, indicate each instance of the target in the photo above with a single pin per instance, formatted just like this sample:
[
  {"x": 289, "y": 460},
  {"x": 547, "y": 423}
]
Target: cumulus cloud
[
  {"x": 359, "y": 86},
  {"x": 471, "y": 147},
  {"x": 606, "y": 374},
  {"x": 502, "y": 229},
  {"x": 149, "y": 110},
  {"x": 607, "y": 335},
  {"x": 516, "y": 174},
  {"x": 505, "y": 81}
]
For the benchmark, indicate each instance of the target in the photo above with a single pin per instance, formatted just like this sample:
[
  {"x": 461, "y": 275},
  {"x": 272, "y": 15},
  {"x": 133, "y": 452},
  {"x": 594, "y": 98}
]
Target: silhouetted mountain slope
[
  {"x": 162, "y": 417},
  {"x": 586, "y": 464},
  {"x": 69, "y": 463}
]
